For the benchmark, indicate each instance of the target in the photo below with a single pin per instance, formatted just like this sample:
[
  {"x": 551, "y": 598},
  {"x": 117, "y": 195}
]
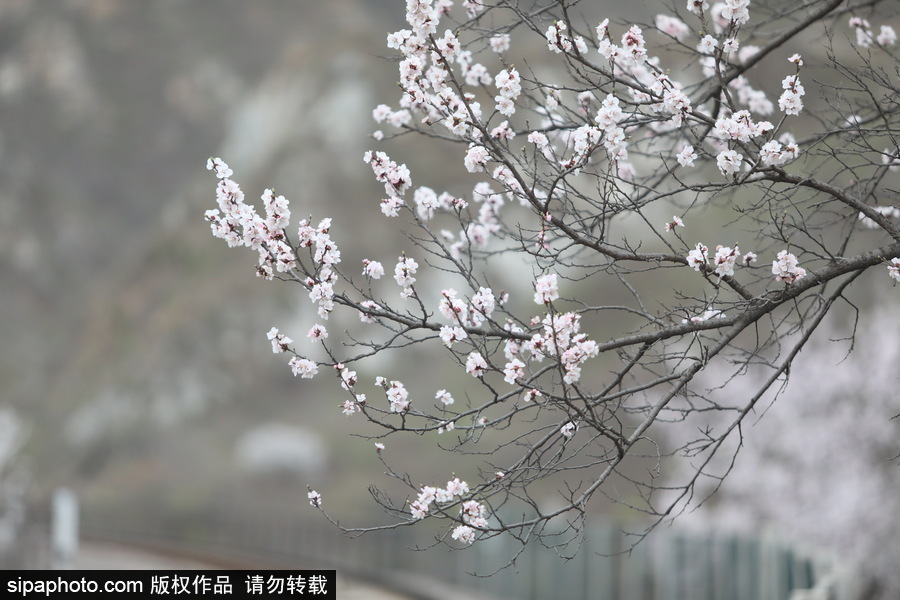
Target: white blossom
[
  {"x": 445, "y": 397},
  {"x": 786, "y": 269},
  {"x": 452, "y": 334},
  {"x": 886, "y": 36},
  {"x": 500, "y": 42},
  {"x": 790, "y": 101},
  {"x": 705, "y": 316},
  {"x": 894, "y": 269},
  {"x": 405, "y": 271},
  {"x": 545, "y": 289},
  {"x": 280, "y": 342},
  {"x": 513, "y": 371},
  {"x": 303, "y": 367},
  {"x": 890, "y": 212},
  {"x": 532, "y": 395},
  {"x": 672, "y": 26},
  {"x": 476, "y": 365},
  {"x": 725, "y": 259},
  {"x": 464, "y": 534},
  {"x": 707, "y": 45},
  {"x": 729, "y": 162},
  {"x": 476, "y": 159},
  {"x": 697, "y": 258},
  {"x": 317, "y": 332},
  {"x": 398, "y": 396},
  {"x": 686, "y": 156},
  {"x": 697, "y": 6},
  {"x": 676, "y": 222},
  {"x": 220, "y": 167},
  {"x": 372, "y": 268}
]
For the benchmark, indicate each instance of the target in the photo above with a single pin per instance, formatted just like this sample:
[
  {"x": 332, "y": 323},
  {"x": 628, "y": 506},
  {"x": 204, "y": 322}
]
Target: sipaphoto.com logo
[{"x": 25, "y": 586}]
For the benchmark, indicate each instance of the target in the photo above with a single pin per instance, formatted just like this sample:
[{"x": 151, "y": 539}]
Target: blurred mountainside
[{"x": 134, "y": 345}]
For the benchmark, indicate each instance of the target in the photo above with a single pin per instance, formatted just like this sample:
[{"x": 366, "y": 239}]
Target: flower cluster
[
  {"x": 383, "y": 113},
  {"x": 455, "y": 489},
  {"x": 705, "y": 316},
  {"x": 452, "y": 334},
  {"x": 238, "y": 223},
  {"x": 532, "y": 395},
  {"x": 754, "y": 99},
  {"x": 674, "y": 101},
  {"x": 697, "y": 6},
  {"x": 724, "y": 260},
  {"x": 474, "y": 313},
  {"x": 558, "y": 39},
  {"x": 280, "y": 342},
  {"x": 865, "y": 37},
  {"x": 732, "y": 12},
  {"x": 729, "y": 162},
  {"x": 514, "y": 371},
  {"x": 404, "y": 274},
  {"x": 676, "y": 222},
  {"x": 894, "y": 269},
  {"x": 464, "y": 534},
  {"x": 672, "y": 27},
  {"x": 476, "y": 159},
  {"x": 500, "y": 43},
  {"x": 545, "y": 289},
  {"x": 398, "y": 396},
  {"x": 633, "y": 44},
  {"x": 317, "y": 332},
  {"x": 395, "y": 177},
  {"x": 349, "y": 407},
  {"x": 373, "y": 269},
  {"x": 686, "y": 156},
  {"x": 608, "y": 118},
  {"x": 698, "y": 257},
  {"x": 476, "y": 365},
  {"x": 347, "y": 376},
  {"x": 790, "y": 102},
  {"x": 740, "y": 126},
  {"x": 474, "y": 515},
  {"x": 445, "y": 397},
  {"x": 775, "y": 153},
  {"x": 560, "y": 338},
  {"x": 786, "y": 269},
  {"x": 509, "y": 86},
  {"x": 891, "y": 212},
  {"x": 303, "y": 367},
  {"x": 365, "y": 315}
]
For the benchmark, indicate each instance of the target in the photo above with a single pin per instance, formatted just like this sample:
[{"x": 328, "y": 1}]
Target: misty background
[{"x": 134, "y": 366}]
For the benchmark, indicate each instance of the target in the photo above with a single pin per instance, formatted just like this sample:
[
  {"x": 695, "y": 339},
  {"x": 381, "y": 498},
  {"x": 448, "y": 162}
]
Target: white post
[{"x": 64, "y": 528}]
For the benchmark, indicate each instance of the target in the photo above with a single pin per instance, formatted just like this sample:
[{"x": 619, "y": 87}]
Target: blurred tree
[{"x": 824, "y": 448}]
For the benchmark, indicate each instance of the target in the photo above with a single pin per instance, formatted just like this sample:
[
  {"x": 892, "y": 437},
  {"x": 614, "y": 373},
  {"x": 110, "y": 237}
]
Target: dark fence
[{"x": 668, "y": 565}]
